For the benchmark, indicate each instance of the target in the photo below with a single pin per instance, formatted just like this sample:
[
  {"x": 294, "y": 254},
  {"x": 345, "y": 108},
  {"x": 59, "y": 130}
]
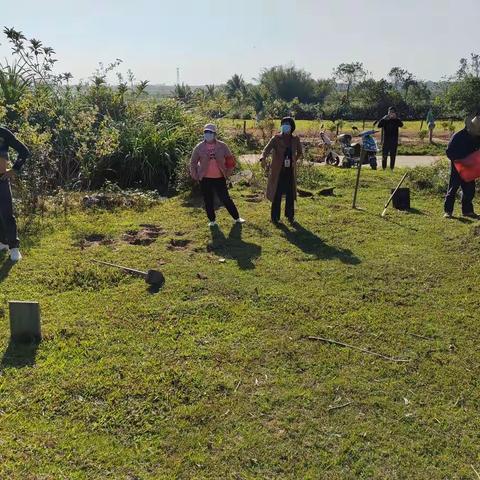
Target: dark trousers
[
  {"x": 8, "y": 224},
  {"x": 284, "y": 186},
  {"x": 468, "y": 192},
  {"x": 389, "y": 148},
  {"x": 210, "y": 186}
]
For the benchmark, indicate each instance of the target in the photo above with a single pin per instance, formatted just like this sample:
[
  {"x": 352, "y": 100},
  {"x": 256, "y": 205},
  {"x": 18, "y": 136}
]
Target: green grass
[
  {"x": 214, "y": 377},
  {"x": 306, "y": 126}
]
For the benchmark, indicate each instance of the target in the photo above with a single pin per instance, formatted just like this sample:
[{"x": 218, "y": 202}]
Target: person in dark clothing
[
  {"x": 462, "y": 144},
  {"x": 390, "y": 124},
  {"x": 284, "y": 187},
  {"x": 8, "y": 224}
]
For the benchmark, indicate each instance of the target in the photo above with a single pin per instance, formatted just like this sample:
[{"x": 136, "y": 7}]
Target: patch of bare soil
[
  {"x": 147, "y": 234},
  {"x": 179, "y": 244}
]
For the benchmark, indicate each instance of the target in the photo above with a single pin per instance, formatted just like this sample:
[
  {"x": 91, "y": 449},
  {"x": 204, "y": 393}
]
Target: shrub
[
  {"x": 422, "y": 134},
  {"x": 432, "y": 178}
]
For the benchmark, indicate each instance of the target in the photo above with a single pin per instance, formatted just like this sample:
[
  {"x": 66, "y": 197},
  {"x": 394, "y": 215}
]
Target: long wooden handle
[
  {"x": 121, "y": 267},
  {"x": 394, "y": 192}
]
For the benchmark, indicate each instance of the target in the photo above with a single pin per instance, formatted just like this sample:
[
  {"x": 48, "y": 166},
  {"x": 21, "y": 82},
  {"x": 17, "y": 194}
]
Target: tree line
[{"x": 350, "y": 93}]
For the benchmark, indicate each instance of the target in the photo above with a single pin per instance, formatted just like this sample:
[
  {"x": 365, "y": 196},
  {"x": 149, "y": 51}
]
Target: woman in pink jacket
[{"x": 211, "y": 164}]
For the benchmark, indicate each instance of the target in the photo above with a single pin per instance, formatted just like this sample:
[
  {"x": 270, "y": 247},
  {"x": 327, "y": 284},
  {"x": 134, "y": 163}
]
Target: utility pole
[{"x": 178, "y": 76}]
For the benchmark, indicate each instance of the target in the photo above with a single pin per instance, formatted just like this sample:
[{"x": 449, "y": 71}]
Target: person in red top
[{"x": 211, "y": 164}]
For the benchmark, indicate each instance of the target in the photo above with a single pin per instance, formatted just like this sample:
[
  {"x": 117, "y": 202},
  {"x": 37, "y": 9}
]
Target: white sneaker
[
  {"x": 3, "y": 247},
  {"x": 212, "y": 224},
  {"x": 15, "y": 255},
  {"x": 240, "y": 220}
]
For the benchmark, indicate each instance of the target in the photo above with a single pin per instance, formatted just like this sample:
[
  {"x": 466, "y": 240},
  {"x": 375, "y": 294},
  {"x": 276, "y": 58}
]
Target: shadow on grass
[
  {"x": 464, "y": 219},
  {"x": 6, "y": 266},
  {"x": 312, "y": 244},
  {"x": 234, "y": 247},
  {"x": 19, "y": 355},
  {"x": 415, "y": 211}
]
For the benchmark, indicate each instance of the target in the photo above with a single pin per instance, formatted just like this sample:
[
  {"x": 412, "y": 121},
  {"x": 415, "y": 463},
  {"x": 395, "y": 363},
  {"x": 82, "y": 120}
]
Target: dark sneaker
[{"x": 470, "y": 215}]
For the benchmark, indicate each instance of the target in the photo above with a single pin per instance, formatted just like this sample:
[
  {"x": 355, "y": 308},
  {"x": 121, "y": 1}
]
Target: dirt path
[{"x": 402, "y": 160}]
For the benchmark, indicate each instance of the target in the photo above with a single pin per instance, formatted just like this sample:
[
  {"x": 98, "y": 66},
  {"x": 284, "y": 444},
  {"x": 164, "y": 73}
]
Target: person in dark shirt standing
[
  {"x": 390, "y": 124},
  {"x": 8, "y": 224},
  {"x": 462, "y": 144}
]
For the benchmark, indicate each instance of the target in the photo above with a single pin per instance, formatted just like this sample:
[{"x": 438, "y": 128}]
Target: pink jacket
[{"x": 200, "y": 159}]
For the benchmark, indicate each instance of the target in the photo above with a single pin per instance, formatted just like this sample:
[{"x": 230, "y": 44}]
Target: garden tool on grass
[
  {"x": 152, "y": 277},
  {"x": 393, "y": 194}
]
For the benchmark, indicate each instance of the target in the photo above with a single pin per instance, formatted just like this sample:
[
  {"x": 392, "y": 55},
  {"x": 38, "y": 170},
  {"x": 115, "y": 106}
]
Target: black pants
[
  {"x": 389, "y": 148},
  {"x": 468, "y": 192},
  {"x": 284, "y": 186},
  {"x": 8, "y": 224},
  {"x": 218, "y": 185}
]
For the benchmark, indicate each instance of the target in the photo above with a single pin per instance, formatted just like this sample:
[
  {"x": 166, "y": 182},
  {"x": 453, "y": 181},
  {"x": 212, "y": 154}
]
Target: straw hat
[{"x": 473, "y": 125}]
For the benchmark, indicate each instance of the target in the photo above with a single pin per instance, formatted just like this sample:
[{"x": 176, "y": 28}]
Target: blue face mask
[
  {"x": 286, "y": 128},
  {"x": 209, "y": 136}
]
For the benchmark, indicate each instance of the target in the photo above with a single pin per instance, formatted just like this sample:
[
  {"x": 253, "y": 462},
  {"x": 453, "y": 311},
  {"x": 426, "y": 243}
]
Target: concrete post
[{"x": 24, "y": 321}]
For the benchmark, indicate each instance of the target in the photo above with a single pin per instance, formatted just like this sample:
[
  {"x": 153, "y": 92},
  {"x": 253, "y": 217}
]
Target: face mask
[
  {"x": 209, "y": 136},
  {"x": 286, "y": 128}
]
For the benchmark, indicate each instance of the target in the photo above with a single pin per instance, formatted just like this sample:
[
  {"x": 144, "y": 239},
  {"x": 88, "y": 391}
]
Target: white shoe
[
  {"x": 212, "y": 224},
  {"x": 3, "y": 247},
  {"x": 15, "y": 255},
  {"x": 240, "y": 220}
]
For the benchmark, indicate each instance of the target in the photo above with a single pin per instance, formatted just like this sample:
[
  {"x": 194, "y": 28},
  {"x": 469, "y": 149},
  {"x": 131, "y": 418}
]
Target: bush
[
  {"x": 422, "y": 134},
  {"x": 432, "y": 178}
]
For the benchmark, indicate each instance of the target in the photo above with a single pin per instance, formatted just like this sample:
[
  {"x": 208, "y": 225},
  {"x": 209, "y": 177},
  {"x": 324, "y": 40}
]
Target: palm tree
[
  {"x": 210, "y": 91},
  {"x": 183, "y": 93},
  {"x": 12, "y": 87},
  {"x": 235, "y": 87}
]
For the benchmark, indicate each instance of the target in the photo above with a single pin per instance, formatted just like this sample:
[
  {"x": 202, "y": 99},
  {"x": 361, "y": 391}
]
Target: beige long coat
[{"x": 278, "y": 144}]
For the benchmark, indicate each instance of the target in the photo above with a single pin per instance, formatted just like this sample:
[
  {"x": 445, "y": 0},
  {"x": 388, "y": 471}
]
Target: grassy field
[
  {"x": 309, "y": 126},
  {"x": 213, "y": 377},
  {"x": 410, "y": 142}
]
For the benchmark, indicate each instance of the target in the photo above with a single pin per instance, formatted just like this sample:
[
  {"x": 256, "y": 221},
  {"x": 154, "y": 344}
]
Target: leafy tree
[
  {"x": 402, "y": 80},
  {"x": 287, "y": 82},
  {"x": 323, "y": 88},
  {"x": 372, "y": 98},
  {"x": 463, "y": 97},
  {"x": 420, "y": 99},
  {"x": 469, "y": 68},
  {"x": 350, "y": 74}
]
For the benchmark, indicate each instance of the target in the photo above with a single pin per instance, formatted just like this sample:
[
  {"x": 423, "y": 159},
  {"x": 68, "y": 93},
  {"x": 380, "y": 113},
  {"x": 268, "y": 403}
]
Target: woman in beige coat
[{"x": 282, "y": 178}]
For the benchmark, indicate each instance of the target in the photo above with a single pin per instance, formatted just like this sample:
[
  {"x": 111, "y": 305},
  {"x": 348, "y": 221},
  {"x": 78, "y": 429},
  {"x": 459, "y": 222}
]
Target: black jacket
[
  {"x": 461, "y": 145},
  {"x": 7, "y": 141},
  {"x": 390, "y": 128}
]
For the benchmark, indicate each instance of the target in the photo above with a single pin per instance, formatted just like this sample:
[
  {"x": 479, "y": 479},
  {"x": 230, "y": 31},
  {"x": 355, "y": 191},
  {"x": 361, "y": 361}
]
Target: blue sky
[{"x": 209, "y": 40}]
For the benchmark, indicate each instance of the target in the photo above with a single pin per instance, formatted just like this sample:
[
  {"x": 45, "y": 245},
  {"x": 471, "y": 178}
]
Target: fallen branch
[
  {"x": 364, "y": 350},
  {"x": 336, "y": 407},
  {"x": 476, "y": 473},
  {"x": 421, "y": 336}
]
